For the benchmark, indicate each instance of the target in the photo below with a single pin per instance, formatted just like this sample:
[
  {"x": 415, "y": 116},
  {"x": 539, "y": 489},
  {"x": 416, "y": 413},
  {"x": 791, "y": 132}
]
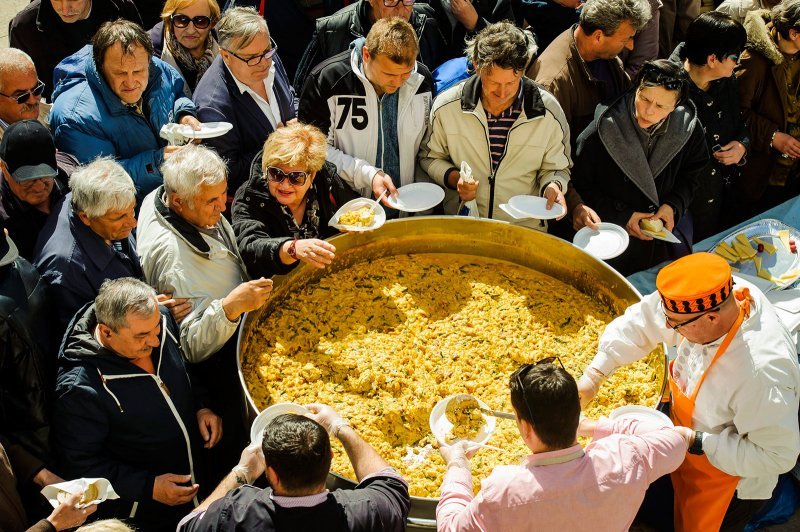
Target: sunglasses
[
  {"x": 677, "y": 326},
  {"x": 22, "y": 98},
  {"x": 524, "y": 371},
  {"x": 256, "y": 59},
  {"x": 297, "y": 178},
  {"x": 181, "y": 21}
]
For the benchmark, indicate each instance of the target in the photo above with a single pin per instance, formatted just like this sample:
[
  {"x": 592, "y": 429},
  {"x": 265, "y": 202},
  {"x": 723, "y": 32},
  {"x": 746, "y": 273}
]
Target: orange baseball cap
[{"x": 695, "y": 283}]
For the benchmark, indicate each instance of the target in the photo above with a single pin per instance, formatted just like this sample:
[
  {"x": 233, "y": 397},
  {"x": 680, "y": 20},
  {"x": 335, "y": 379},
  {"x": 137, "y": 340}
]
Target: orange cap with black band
[{"x": 695, "y": 283}]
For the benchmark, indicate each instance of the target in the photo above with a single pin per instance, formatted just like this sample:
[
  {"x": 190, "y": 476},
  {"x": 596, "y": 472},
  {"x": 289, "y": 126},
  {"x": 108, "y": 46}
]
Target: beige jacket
[{"x": 537, "y": 149}]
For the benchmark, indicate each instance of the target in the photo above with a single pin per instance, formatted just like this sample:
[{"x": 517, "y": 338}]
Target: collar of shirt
[
  {"x": 306, "y": 501},
  {"x": 267, "y": 83},
  {"x": 555, "y": 457},
  {"x": 3, "y": 124}
]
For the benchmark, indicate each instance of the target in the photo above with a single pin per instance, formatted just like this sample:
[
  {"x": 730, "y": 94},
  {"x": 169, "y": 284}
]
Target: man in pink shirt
[{"x": 560, "y": 486}]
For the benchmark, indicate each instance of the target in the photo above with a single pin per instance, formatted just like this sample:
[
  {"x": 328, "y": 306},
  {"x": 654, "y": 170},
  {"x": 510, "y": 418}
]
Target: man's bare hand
[
  {"x": 67, "y": 515},
  {"x": 167, "y": 489},
  {"x": 383, "y": 187},
  {"x": 210, "y": 426},
  {"x": 553, "y": 195},
  {"x": 247, "y": 296},
  {"x": 584, "y": 216},
  {"x": 178, "y": 307}
]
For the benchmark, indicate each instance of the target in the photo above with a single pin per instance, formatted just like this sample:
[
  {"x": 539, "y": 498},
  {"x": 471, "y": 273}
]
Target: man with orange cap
[{"x": 735, "y": 381}]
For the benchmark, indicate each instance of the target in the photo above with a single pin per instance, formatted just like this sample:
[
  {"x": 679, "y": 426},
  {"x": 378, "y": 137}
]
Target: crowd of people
[{"x": 127, "y": 262}]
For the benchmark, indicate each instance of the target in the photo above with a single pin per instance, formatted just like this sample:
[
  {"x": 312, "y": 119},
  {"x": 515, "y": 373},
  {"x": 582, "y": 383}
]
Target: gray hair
[
  {"x": 503, "y": 45},
  {"x": 119, "y": 297},
  {"x": 607, "y": 15},
  {"x": 14, "y": 62},
  {"x": 101, "y": 186},
  {"x": 191, "y": 167},
  {"x": 238, "y": 27},
  {"x": 786, "y": 16},
  {"x": 106, "y": 525}
]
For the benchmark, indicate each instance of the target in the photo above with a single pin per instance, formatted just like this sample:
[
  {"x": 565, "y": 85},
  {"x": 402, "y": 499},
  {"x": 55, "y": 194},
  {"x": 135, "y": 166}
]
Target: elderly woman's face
[
  {"x": 284, "y": 191},
  {"x": 654, "y": 104},
  {"x": 190, "y": 36}
]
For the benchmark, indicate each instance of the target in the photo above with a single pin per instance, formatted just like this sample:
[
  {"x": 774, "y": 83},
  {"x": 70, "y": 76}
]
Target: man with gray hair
[
  {"x": 126, "y": 410},
  {"x": 20, "y": 90},
  {"x": 188, "y": 249},
  {"x": 112, "y": 99},
  {"x": 87, "y": 237},
  {"x": 522, "y": 124},
  {"x": 581, "y": 68},
  {"x": 247, "y": 86}
]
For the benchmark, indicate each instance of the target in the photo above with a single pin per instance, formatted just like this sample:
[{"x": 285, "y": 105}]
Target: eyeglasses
[
  {"x": 22, "y": 98},
  {"x": 524, "y": 371},
  {"x": 393, "y": 3},
  {"x": 181, "y": 21},
  {"x": 651, "y": 74},
  {"x": 256, "y": 59},
  {"x": 297, "y": 178},
  {"x": 677, "y": 326}
]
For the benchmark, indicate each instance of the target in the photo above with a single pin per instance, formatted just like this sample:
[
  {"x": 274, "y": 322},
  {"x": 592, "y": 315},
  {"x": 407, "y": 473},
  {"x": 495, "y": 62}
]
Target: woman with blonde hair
[
  {"x": 281, "y": 214},
  {"x": 185, "y": 40}
]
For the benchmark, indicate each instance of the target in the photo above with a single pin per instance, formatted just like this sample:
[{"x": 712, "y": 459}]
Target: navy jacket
[
  {"x": 75, "y": 260},
  {"x": 116, "y": 421},
  {"x": 218, "y": 99}
]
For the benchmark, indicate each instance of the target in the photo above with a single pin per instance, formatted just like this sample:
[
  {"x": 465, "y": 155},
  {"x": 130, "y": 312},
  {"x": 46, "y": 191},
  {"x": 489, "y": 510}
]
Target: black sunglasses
[
  {"x": 181, "y": 21},
  {"x": 296, "y": 178},
  {"x": 256, "y": 59},
  {"x": 22, "y": 98},
  {"x": 524, "y": 371}
]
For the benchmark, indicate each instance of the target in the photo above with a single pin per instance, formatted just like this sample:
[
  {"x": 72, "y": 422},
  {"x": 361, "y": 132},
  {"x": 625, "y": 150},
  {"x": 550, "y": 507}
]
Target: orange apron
[{"x": 702, "y": 492}]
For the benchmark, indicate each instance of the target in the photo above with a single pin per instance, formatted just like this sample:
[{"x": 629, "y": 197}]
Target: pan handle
[{"x": 422, "y": 523}]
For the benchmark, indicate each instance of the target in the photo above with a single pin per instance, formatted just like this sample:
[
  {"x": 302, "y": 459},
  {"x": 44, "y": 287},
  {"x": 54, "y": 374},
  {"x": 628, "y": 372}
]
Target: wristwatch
[{"x": 697, "y": 445}]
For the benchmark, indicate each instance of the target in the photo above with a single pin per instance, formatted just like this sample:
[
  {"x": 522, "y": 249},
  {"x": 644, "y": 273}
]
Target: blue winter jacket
[{"x": 88, "y": 120}]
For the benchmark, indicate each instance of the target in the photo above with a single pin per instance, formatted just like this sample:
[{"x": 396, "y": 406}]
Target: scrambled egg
[
  {"x": 362, "y": 217},
  {"x": 466, "y": 417},
  {"x": 384, "y": 340}
]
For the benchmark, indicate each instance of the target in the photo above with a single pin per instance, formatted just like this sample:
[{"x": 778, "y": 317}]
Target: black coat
[
  {"x": 334, "y": 34},
  {"x": 38, "y": 31},
  {"x": 606, "y": 176},
  {"x": 720, "y": 115},
  {"x": 113, "y": 420},
  {"x": 261, "y": 226},
  {"x": 27, "y": 368}
]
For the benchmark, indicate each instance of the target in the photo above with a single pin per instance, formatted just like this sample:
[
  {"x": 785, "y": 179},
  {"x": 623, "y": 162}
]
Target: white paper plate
[
  {"x": 104, "y": 490},
  {"x": 417, "y": 197},
  {"x": 208, "y": 130},
  {"x": 380, "y": 216},
  {"x": 607, "y": 242},
  {"x": 641, "y": 413},
  {"x": 262, "y": 420},
  {"x": 514, "y": 213},
  {"x": 666, "y": 236},
  {"x": 441, "y": 426},
  {"x": 536, "y": 207}
]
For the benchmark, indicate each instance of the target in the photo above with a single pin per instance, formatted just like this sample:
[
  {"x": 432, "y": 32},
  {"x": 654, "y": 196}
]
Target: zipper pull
[{"x": 162, "y": 384}]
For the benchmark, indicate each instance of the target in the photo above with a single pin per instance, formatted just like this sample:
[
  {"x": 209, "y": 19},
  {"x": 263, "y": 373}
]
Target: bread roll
[{"x": 654, "y": 226}]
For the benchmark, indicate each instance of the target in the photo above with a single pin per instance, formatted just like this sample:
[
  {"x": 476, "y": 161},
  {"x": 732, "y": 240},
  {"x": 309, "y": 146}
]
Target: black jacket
[
  {"x": 720, "y": 115},
  {"x": 334, "y": 34},
  {"x": 616, "y": 178},
  {"x": 38, "y": 31},
  {"x": 379, "y": 503},
  {"x": 27, "y": 368},
  {"x": 261, "y": 227},
  {"x": 113, "y": 420}
]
